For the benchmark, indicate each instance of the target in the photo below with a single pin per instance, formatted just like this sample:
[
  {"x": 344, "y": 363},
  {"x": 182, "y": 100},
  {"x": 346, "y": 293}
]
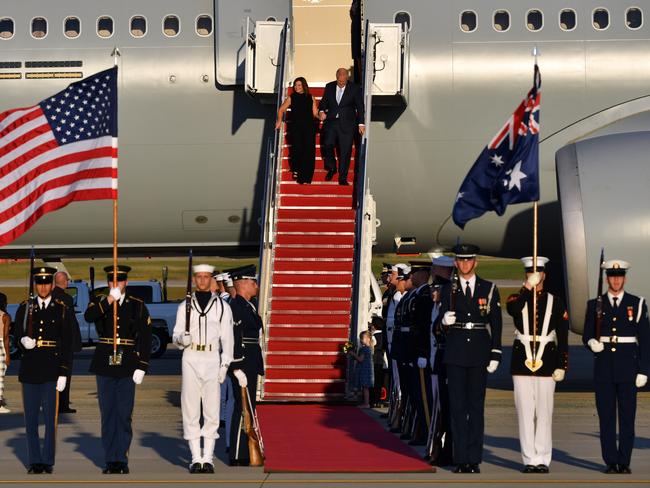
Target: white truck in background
[{"x": 162, "y": 312}]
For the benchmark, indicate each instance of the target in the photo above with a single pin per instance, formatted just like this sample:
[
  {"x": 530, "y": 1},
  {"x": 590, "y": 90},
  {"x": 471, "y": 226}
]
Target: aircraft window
[
  {"x": 534, "y": 20},
  {"x": 6, "y": 28},
  {"x": 468, "y": 21},
  {"x": 171, "y": 26},
  {"x": 271, "y": 19},
  {"x": 501, "y": 20},
  {"x": 634, "y": 18},
  {"x": 71, "y": 27},
  {"x": 204, "y": 25},
  {"x": 567, "y": 19},
  {"x": 601, "y": 19},
  {"x": 39, "y": 27},
  {"x": 105, "y": 27},
  {"x": 138, "y": 26},
  {"x": 403, "y": 18}
]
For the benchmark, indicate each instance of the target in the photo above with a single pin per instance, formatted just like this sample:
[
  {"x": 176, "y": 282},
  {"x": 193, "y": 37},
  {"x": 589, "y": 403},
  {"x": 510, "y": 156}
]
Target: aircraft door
[{"x": 232, "y": 22}]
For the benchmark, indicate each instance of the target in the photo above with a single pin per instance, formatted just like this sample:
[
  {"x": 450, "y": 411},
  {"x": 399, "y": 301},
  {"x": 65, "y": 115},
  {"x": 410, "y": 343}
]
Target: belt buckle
[
  {"x": 614, "y": 339},
  {"x": 469, "y": 325},
  {"x": 200, "y": 347},
  {"x": 115, "y": 359}
]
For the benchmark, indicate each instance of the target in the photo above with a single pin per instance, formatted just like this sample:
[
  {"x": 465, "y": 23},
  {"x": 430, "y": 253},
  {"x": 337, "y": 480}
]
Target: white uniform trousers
[
  {"x": 200, "y": 387},
  {"x": 534, "y": 404}
]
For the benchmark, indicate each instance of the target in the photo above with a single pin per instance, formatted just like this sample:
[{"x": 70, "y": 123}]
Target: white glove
[
  {"x": 449, "y": 318},
  {"x": 185, "y": 340},
  {"x": 558, "y": 375},
  {"x": 138, "y": 376},
  {"x": 492, "y": 367},
  {"x": 641, "y": 380},
  {"x": 28, "y": 342},
  {"x": 241, "y": 378},
  {"x": 595, "y": 346},
  {"x": 115, "y": 293},
  {"x": 422, "y": 363},
  {"x": 223, "y": 372},
  {"x": 60, "y": 383},
  {"x": 534, "y": 279}
]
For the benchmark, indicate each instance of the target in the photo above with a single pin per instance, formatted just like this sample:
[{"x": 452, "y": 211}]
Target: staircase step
[
  {"x": 307, "y": 358},
  {"x": 338, "y": 266},
  {"x": 319, "y": 176},
  {"x": 303, "y": 397},
  {"x": 313, "y": 345},
  {"x": 296, "y": 189},
  {"x": 316, "y": 202},
  {"x": 319, "y": 163},
  {"x": 339, "y": 280},
  {"x": 346, "y": 214},
  {"x": 295, "y": 293},
  {"x": 311, "y": 306},
  {"x": 301, "y": 317},
  {"x": 308, "y": 331},
  {"x": 291, "y": 252},
  {"x": 306, "y": 227},
  {"x": 297, "y": 374},
  {"x": 318, "y": 239},
  {"x": 308, "y": 326},
  {"x": 325, "y": 388}
]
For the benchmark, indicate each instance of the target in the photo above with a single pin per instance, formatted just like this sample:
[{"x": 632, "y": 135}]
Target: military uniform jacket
[
  {"x": 60, "y": 294},
  {"x": 399, "y": 344},
  {"x": 43, "y": 364},
  {"x": 419, "y": 322},
  {"x": 247, "y": 325},
  {"x": 620, "y": 362},
  {"x": 472, "y": 347},
  {"x": 133, "y": 323},
  {"x": 552, "y": 346}
]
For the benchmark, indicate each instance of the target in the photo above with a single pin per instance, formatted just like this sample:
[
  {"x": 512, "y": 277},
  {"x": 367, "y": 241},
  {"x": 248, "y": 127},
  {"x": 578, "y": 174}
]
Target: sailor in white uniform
[{"x": 207, "y": 353}]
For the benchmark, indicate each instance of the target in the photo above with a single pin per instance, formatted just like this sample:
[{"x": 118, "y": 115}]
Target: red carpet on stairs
[{"x": 331, "y": 439}]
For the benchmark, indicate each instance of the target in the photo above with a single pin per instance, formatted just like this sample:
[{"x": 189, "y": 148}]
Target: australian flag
[{"x": 507, "y": 171}]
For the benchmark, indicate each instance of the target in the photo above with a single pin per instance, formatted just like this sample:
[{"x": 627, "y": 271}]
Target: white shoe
[{"x": 4, "y": 409}]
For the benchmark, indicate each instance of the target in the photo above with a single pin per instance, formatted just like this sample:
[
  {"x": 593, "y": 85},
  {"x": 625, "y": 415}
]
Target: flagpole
[
  {"x": 115, "y": 54},
  {"x": 535, "y": 221}
]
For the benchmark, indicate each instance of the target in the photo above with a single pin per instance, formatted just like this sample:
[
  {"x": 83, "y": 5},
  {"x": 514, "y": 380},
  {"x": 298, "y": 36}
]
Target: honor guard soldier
[
  {"x": 540, "y": 357},
  {"x": 117, "y": 374},
  {"x": 621, "y": 347},
  {"x": 44, "y": 326},
  {"x": 439, "y": 448},
  {"x": 247, "y": 363},
  {"x": 419, "y": 349},
  {"x": 207, "y": 346},
  {"x": 471, "y": 318}
]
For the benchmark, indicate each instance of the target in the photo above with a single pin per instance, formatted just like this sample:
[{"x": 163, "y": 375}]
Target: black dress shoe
[
  {"x": 121, "y": 468},
  {"x": 611, "y": 469},
  {"x": 47, "y": 468},
  {"x": 541, "y": 468},
  {"x": 196, "y": 468},
  {"x": 330, "y": 174},
  {"x": 208, "y": 468},
  {"x": 344, "y": 183},
  {"x": 529, "y": 468},
  {"x": 624, "y": 469},
  {"x": 108, "y": 469},
  {"x": 67, "y": 410},
  {"x": 462, "y": 468},
  {"x": 473, "y": 468},
  {"x": 35, "y": 469}
]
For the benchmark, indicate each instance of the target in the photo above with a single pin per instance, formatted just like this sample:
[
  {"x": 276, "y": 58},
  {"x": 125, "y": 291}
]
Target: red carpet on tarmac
[{"x": 331, "y": 439}]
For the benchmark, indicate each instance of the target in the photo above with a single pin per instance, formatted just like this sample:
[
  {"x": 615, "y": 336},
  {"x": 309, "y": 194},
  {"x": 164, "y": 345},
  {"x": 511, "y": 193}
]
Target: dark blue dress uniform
[
  {"x": 115, "y": 386},
  {"x": 399, "y": 354},
  {"x": 625, "y": 334},
  {"x": 40, "y": 368},
  {"x": 247, "y": 355},
  {"x": 64, "y": 397},
  {"x": 470, "y": 344}
]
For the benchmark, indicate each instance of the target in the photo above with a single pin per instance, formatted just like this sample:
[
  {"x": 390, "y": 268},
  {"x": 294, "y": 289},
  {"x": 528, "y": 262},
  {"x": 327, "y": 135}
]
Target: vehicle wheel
[
  {"x": 14, "y": 350},
  {"x": 158, "y": 343}
]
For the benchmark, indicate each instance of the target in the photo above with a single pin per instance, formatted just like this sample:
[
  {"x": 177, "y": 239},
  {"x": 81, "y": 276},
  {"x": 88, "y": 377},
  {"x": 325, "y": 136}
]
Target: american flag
[{"x": 62, "y": 150}]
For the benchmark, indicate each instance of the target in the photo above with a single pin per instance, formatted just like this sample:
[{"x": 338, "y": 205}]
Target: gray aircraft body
[{"x": 192, "y": 144}]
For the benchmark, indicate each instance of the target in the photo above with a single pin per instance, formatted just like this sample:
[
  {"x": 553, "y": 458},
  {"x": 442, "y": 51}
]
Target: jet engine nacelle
[{"x": 604, "y": 194}]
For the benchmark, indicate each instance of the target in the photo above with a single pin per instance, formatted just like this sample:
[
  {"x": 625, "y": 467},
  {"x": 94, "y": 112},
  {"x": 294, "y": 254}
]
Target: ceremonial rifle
[
  {"x": 91, "y": 273},
  {"x": 29, "y": 315},
  {"x": 188, "y": 295},
  {"x": 599, "y": 297},
  {"x": 252, "y": 428},
  {"x": 165, "y": 276}
]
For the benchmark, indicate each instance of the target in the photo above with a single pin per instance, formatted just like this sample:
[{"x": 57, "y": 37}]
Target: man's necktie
[
  {"x": 468, "y": 291},
  {"x": 339, "y": 95},
  {"x": 615, "y": 299}
]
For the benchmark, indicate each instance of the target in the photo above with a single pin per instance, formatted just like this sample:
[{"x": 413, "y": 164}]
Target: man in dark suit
[
  {"x": 621, "y": 363},
  {"x": 60, "y": 284},
  {"x": 471, "y": 320},
  {"x": 341, "y": 110}
]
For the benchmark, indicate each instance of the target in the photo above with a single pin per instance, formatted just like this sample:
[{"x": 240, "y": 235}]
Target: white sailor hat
[
  {"x": 616, "y": 267},
  {"x": 443, "y": 261},
  {"x": 403, "y": 271},
  {"x": 202, "y": 268},
  {"x": 528, "y": 263}
]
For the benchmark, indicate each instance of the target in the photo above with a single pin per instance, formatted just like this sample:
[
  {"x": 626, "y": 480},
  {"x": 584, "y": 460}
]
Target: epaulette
[
  {"x": 56, "y": 300},
  {"x": 131, "y": 297}
]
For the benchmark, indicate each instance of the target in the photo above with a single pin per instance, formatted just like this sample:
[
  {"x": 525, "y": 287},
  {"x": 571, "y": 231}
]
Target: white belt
[
  {"x": 552, "y": 337},
  {"x": 619, "y": 340}
]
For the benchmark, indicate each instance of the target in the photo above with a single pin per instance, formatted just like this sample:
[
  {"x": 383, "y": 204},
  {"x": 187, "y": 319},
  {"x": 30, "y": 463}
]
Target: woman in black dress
[{"x": 304, "y": 110}]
